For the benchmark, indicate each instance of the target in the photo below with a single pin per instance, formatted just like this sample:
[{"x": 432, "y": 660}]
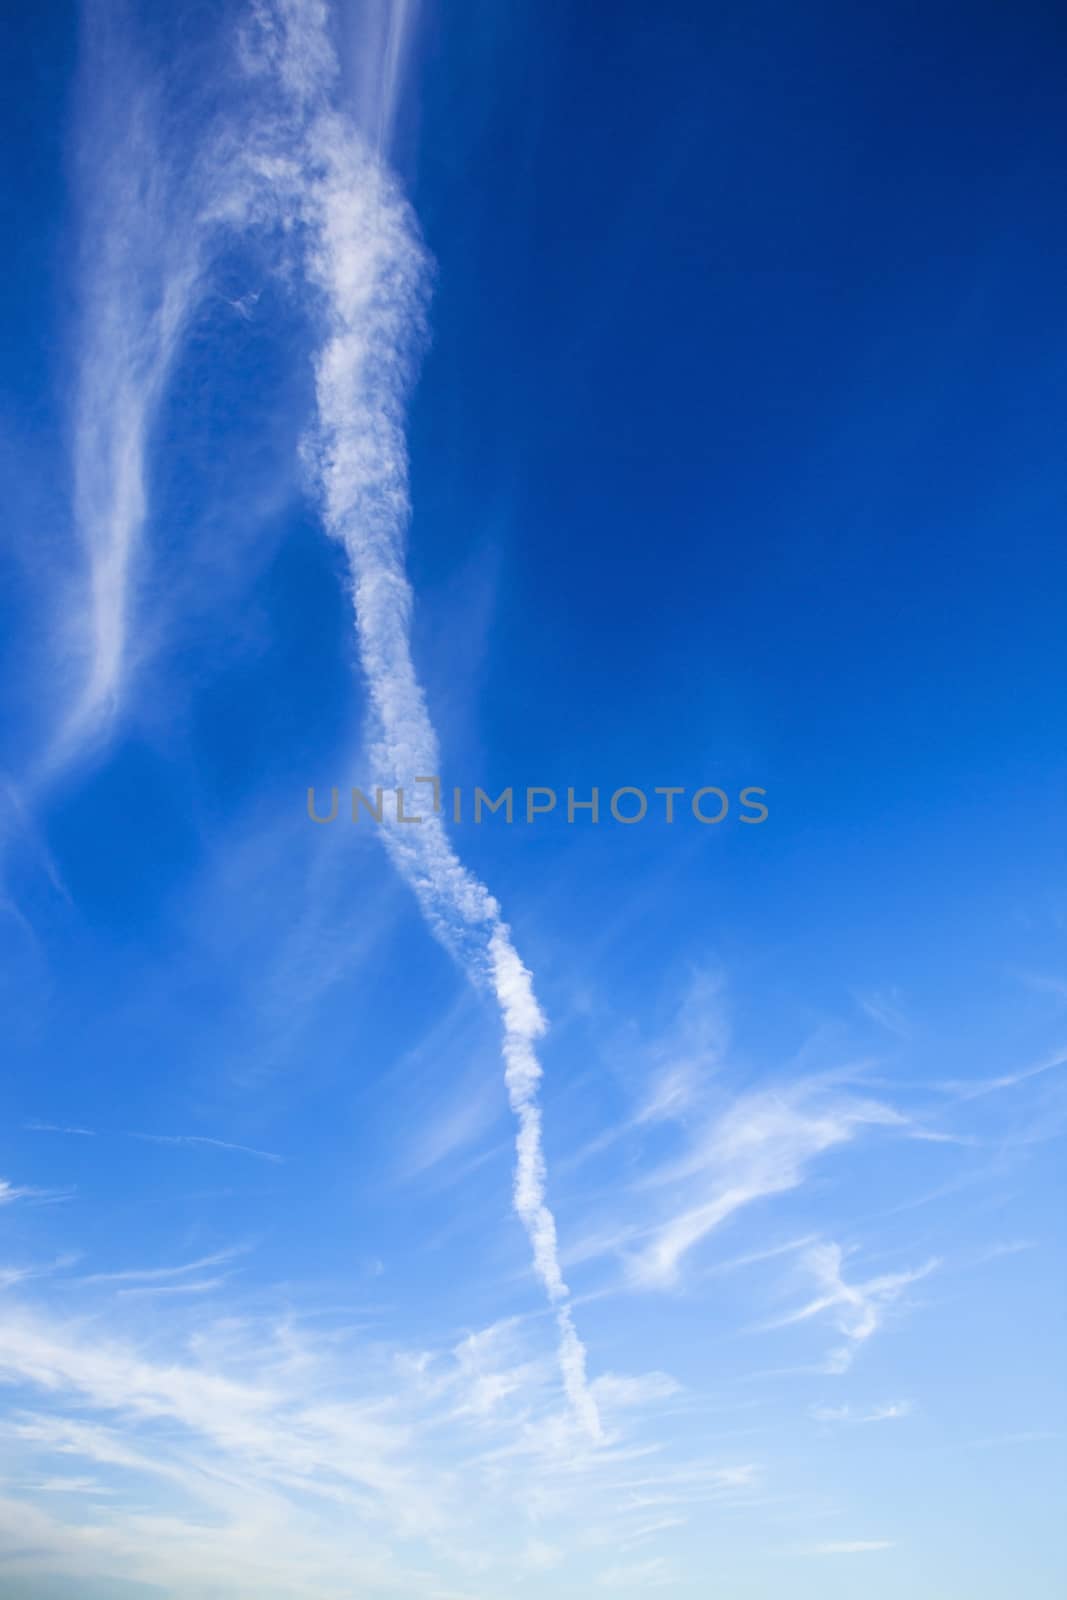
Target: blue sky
[{"x": 560, "y": 396}]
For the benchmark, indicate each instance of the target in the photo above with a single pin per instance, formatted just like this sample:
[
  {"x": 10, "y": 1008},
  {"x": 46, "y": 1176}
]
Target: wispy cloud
[
  {"x": 1008, "y": 1247},
  {"x": 291, "y": 1462},
  {"x": 681, "y": 1066},
  {"x": 69, "y": 1485},
  {"x": 755, "y": 1257},
  {"x": 847, "y": 1414},
  {"x": 191, "y": 1139},
  {"x": 761, "y": 1146},
  {"x": 195, "y": 1286},
  {"x": 138, "y": 286},
  {"x": 1008, "y": 1080},
  {"x": 857, "y": 1310},
  {"x": 149, "y": 1275},
  {"x": 376, "y": 62},
  {"x": 11, "y": 1192},
  {"x": 204, "y": 1139},
  {"x": 54, "y": 1127},
  {"x": 300, "y": 163},
  {"x": 884, "y": 1007}
]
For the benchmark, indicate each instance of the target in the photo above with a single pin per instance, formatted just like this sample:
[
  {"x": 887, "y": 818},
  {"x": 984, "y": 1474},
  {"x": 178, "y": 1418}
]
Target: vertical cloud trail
[
  {"x": 158, "y": 197},
  {"x": 364, "y": 258},
  {"x": 291, "y": 164},
  {"x": 141, "y": 267}
]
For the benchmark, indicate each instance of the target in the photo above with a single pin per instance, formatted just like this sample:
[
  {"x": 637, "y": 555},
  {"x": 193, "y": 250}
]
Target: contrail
[
  {"x": 294, "y": 162},
  {"x": 364, "y": 258}
]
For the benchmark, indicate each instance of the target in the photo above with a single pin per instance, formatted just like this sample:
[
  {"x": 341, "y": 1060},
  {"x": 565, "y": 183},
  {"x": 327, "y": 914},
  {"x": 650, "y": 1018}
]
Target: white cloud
[
  {"x": 1009, "y": 1080},
  {"x": 846, "y": 1414},
  {"x": 70, "y": 1486},
  {"x": 761, "y": 1146},
  {"x": 10, "y": 1192},
  {"x": 140, "y": 282},
  {"x": 203, "y": 1139},
  {"x": 691, "y": 1053},
  {"x": 613, "y": 1391},
  {"x": 52, "y": 1127},
  {"x": 195, "y": 1286},
  {"x": 857, "y": 1310},
  {"x": 254, "y": 1457},
  {"x": 150, "y": 1275}
]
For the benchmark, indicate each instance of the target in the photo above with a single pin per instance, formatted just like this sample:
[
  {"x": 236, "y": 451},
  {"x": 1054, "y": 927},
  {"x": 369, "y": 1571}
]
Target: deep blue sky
[{"x": 735, "y": 458}]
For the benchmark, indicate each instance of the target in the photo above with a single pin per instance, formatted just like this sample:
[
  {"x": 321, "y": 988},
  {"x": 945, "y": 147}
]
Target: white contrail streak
[
  {"x": 292, "y": 160},
  {"x": 364, "y": 258}
]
